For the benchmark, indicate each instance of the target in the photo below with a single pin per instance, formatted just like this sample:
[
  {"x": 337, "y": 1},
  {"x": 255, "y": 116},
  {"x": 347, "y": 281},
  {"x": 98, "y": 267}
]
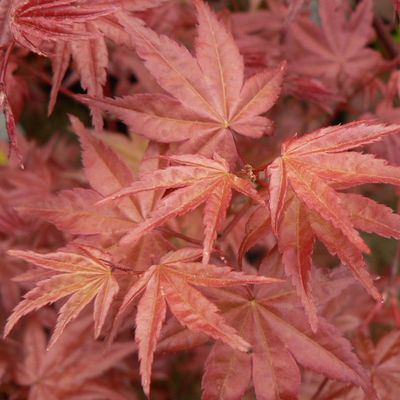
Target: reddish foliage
[{"x": 202, "y": 223}]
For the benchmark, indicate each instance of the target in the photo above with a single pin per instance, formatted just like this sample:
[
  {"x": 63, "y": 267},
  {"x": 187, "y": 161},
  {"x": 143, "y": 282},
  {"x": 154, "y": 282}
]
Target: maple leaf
[
  {"x": 91, "y": 54},
  {"x": 78, "y": 212},
  {"x": 272, "y": 319},
  {"x": 74, "y": 365},
  {"x": 170, "y": 282},
  {"x": 75, "y": 211},
  {"x": 75, "y": 29},
  {"x": 337, "y": 50},
  {"x": 32, "y": 21},
  {"x": 305, "y": 205},
  {"x": 59, "y": 61},
  {"x": 105, "y": 170},
  {"x": 208, "y": 100},
  {"x": 111, "y": 27},
  {"x": 91, "y": 58},
  {"x": 381, "y": 360},
  {"x": 84, "y": 277},
  {"x": 199, "y": 180},
  {"x": 256, "y": 227},
  {"x": 69, "y": 26}
]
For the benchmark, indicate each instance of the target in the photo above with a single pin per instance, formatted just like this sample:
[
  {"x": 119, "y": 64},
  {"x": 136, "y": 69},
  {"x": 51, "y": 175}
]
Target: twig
[
  {"x": 234, "y": 221},
  {"x": 46, "y": 79},
  {"x": 385, "y": 38},
  {"x": 5, "y": 63},
  {"x": 319, "y": 389}
]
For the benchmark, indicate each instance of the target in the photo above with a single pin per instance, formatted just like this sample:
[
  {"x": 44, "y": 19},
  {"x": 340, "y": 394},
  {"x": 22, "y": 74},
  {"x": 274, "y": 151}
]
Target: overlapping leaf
[
  {"x": 72, "y": 367},
  {"x": 83, "y": 277},
  {"x": 305, "y": 205},
  {"x": 170, "y": 282},
  {"x": 38, "y": 20},
  {"x": 69, "y": 26},
  {"x": 208, "y": 100},
  {"x": 382, "y": 361},
  {"x": 77, "y": 212},
  {"x": 199, "y": 180},
  {"x": 337, "y": 51},
  {"x": 88, "y": 47},
  {"x": 272, "y": 319}
]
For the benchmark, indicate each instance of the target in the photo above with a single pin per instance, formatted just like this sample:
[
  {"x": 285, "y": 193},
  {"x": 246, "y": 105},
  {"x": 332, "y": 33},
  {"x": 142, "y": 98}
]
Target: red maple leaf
[
  {"x": 337, "y": 51},
  {"x": 170, "y": 282},
  {"x": 383, "y": 364},
  {"x": 72, "y": 368},
  {"x": 207, "y": 94},
  {"x": 77, "y": 211},
  {"x": 272, "y": 319},
  {"x": 199, "y": 180},
  {"x": 305, "y": 205},
  {"x": 33, "y": 21},
  {"x": 83, "y": 277}
]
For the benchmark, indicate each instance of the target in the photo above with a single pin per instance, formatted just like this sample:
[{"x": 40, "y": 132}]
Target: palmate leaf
[
  {"x": 305, "y": 205},
  {"x": 91, "y": 60},
  {"x": 104, "y": 169},
  {"x": 69, "y": 26},
  {"x": 381, "y": 360},
  {"x": 72, "y": 367},
  {"x": 87, "y": 46},
  {"x": 208, "y": 99},
  {"x": 83, "y": 277},
  {"x": 77, "y": 25},
  {"x": 272, "y": 319},
  {"x": 33, "y": 20},
  {"x": 337, "y": 51},
  {"x": 170, "y": 282},
  {"x": 75, "y": 211},
  {"x": 197, "y": 180}
]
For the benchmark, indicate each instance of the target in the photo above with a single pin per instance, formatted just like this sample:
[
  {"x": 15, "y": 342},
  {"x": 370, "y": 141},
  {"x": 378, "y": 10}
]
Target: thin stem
[
  {"x": 171, "y": 232},
  {"x": 234, "y": 221},
  {"x": 370, "y": 316},
  {"x": 235, "y": 5},
  {"x": 385, "y": 38},
  {"x": 6, "y": 108},
  {"x": 5, "y": 63},
  {"x": 46, "y": 79},
  {"x": 240, "y": 155},
  {"x": 262, "y": 167},
  {"x": 262, "y": 182},
  {"x": 319, "y": 389}
]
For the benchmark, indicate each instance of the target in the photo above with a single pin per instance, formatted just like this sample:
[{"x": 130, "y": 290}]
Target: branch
[{"x": 385, "y": 38}]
